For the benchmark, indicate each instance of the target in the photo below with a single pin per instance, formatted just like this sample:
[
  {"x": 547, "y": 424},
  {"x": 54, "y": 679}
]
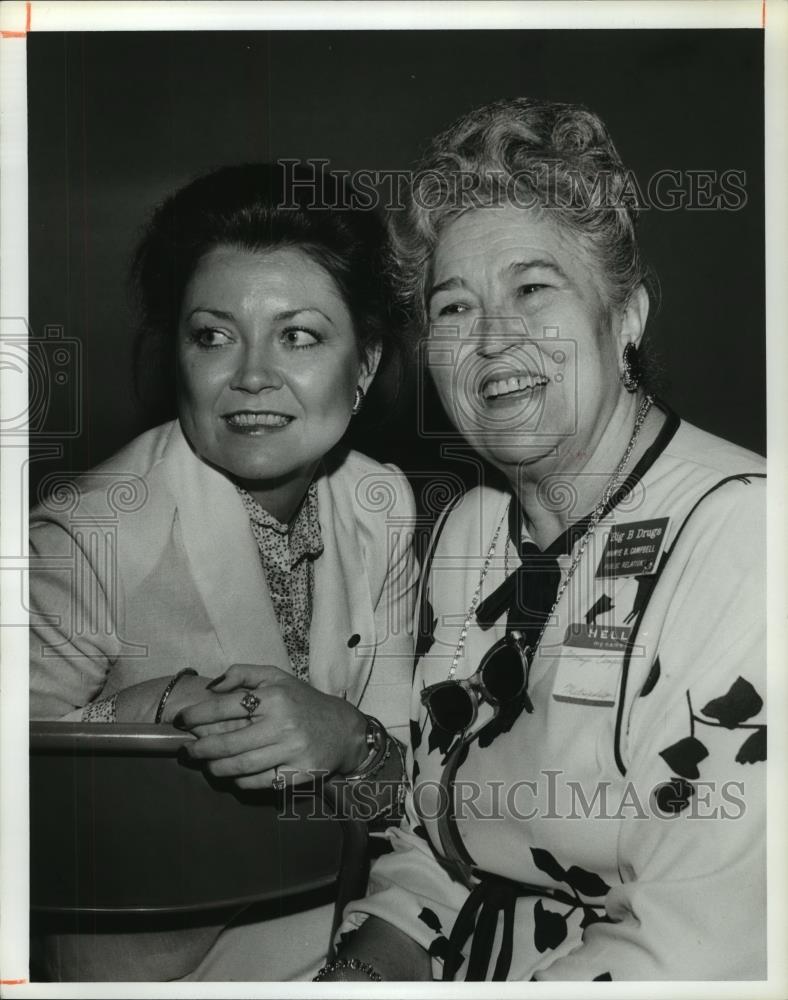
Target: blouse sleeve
[
  {"x": 692, "y": 905},
  {"x": 409, "y": 889},
  {"x": 72, "y": 628}
]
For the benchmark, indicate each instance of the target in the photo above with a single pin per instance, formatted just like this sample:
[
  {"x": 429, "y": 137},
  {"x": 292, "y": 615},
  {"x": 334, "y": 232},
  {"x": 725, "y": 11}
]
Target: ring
[
  {"x": 250, "y": 702},
  {"x": 278, "y": 781}
]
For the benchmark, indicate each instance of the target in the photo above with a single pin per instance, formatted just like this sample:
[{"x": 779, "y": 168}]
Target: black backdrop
[{"x": 118, "y": 120}]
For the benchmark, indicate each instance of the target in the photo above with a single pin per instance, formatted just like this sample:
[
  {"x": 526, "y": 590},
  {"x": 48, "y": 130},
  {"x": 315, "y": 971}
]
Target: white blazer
[{"x": 147, "y": 565}]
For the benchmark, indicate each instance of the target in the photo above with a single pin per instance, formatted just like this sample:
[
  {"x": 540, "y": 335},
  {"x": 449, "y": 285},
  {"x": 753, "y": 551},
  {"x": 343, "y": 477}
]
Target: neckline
[{"x": 565, "y": 542}]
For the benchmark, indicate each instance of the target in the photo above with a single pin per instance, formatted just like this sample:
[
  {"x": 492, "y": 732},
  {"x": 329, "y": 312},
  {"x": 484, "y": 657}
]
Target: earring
[
  {"x": 630, "y": 376},
  {"x": 358, "y": 402}
]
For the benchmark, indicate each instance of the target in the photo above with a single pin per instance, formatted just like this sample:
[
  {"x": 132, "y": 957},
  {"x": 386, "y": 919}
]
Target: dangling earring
[
  {"x": 630, "y": 376},
  {"x": 358, "y": 402}
]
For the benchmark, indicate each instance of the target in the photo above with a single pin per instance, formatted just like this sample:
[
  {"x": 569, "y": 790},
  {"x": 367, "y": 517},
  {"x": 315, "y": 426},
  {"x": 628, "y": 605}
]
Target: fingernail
[{"x": 216, "y": 680}]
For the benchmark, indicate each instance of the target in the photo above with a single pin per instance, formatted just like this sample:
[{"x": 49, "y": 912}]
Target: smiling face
[
  {"x": 523, "y": 348},
  {"x": 268, "y": 364}
]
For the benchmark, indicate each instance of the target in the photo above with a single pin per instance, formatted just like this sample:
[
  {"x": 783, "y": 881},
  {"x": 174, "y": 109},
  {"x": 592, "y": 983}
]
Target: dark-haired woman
[{"x": 255, "y": 589}]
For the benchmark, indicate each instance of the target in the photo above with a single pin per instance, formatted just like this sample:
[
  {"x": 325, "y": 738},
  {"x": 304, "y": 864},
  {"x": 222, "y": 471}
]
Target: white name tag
[{"x": 592, "y": 681}]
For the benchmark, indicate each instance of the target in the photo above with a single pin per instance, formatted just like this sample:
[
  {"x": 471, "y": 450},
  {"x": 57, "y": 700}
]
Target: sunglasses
[{"x": 501, "y": 677}]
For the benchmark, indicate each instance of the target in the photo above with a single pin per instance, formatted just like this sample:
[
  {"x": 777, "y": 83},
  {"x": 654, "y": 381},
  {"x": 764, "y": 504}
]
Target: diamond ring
[{"x": 250, "y": 702}]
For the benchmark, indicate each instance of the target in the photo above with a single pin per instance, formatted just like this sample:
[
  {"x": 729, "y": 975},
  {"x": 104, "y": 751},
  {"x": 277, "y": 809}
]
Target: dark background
[{"x": 119, "y": 120}]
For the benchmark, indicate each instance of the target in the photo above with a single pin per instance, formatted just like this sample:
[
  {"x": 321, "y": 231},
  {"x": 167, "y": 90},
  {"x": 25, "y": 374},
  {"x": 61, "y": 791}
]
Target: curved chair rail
[{"x": 122, "y": 821}]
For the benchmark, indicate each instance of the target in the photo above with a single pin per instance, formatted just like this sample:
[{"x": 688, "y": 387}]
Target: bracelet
[
  {"x": 377, "y": 740},
  {"x": 168, "y": 691},
  {"x": 378, "y": 764},
  {"x": 355, "y": 964}
]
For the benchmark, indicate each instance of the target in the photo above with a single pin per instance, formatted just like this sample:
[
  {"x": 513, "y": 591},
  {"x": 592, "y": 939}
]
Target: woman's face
[
  {"x": 520, "y": 345},
  {"x": 268, "y": 363}
]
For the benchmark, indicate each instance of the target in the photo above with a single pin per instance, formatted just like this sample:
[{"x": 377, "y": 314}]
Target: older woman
[
  {"x": 587, "y": 723},
  {"x": 232, "y": 569}
]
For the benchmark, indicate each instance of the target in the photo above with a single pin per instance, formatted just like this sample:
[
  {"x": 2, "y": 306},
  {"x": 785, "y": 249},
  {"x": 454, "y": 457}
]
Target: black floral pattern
[
  {"x": 683, "y": 757},
  {"x": 441, "y": 947},
  {"x": 646, "y": 584},
  {"x": 753, "y": 749},
  {"x": 672, "y": 797},
  {"x": 601, "y": 607},
  {"x": 740, "y": 702},
  {"x": 425, "y": 638},
  {"x": 651, "y": 680},
  {"x": 550, "y": 926}
]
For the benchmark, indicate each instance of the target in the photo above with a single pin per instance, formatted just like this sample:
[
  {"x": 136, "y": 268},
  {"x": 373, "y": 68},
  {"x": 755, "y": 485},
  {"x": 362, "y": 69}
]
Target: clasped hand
[{"x": 294, "y": 728}]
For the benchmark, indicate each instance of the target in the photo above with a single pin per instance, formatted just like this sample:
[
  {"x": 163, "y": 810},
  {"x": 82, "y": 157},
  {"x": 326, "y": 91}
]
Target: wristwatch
[{"x": 375, "y": 738}]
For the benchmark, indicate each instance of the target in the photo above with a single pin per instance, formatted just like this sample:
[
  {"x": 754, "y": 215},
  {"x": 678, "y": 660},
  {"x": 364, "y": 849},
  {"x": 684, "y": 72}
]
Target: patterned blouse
[
  {"x": 585, "y": 829},
  {"x": 287, "y": 553}
]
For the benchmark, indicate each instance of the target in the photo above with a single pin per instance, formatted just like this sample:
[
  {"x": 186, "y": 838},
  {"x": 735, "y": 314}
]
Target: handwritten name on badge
[
  {"x": 632, "y": 549},
  {"x": 589, "y": 682}
]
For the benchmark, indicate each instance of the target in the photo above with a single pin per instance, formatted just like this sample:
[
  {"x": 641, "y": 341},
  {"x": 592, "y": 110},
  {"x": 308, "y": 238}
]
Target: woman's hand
[{"x": 295, "y": 728}]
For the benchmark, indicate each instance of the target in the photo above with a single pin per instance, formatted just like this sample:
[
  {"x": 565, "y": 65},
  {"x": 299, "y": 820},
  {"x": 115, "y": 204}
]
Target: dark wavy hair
[{"x": 260, "y": 207}]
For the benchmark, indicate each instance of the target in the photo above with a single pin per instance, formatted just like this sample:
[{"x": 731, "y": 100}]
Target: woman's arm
[
  {"x": 73, "y": 628},
  {"x": 392, "y": 954},
  {"x": 692, "y": 902}
]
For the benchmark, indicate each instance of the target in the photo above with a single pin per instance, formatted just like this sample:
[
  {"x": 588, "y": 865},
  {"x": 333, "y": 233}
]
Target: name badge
[
  {"x": 632, "y": 549},
  {"x": 613, "y": 637},
  {"x": 588, "y": 682}
]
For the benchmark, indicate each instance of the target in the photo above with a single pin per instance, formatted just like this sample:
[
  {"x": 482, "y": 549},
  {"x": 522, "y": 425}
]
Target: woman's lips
[
  {"x": 509, "y": 386},
  {"x": 251, "y": 422}
]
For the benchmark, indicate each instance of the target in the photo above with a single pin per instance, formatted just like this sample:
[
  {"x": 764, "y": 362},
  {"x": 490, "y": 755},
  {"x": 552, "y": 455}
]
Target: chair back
[{"x": 120, "y": 822}]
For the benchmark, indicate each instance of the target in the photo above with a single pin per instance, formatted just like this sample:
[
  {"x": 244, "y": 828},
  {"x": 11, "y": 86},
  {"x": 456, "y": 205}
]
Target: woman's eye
[
  {"x": 453, "y": 309},
  {"x": 209, "y": 337},
  {"x": 299, "y": 337},
  {"x": 530, "y": 289}
]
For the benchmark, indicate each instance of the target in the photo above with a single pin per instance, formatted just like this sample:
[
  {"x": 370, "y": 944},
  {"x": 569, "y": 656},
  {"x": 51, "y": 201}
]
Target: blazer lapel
[
  {"x": 224, "y": 560},
  {"x": 342, "y": 636}
]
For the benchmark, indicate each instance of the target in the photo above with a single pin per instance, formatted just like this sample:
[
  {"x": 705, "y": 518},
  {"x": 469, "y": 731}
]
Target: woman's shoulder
[
  {"x": 469, "y": 521},
  {"x": 371, "y": 489},
  {"x": 119, "y": 485},
  {"x": 695, "y": 448},
  {"x": 714, "y": 493},
  {"x": 705, "y": 479}
]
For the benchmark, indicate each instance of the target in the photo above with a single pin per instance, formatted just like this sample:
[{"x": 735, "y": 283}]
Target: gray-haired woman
[{"x": 587, "y": 723}]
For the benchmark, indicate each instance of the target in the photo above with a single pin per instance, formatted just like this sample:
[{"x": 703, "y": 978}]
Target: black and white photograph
[{"x": 393, "y": 494}]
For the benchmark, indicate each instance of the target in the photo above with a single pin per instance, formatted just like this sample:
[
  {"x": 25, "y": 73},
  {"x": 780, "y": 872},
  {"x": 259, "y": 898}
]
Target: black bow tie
[{"x": 527, "y": 595}]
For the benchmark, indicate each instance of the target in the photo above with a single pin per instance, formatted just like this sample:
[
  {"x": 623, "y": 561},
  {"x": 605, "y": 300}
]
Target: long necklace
[{"x": 594, "y": 519}]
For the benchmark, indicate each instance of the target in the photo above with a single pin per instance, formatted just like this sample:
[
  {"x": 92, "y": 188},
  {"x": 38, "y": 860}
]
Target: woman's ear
[
  {"x": 369, "y": 365},
  {"x": 633, "y": 318}
]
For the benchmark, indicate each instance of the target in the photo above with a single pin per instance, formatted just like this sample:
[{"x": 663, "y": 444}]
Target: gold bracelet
[{"x": 168, "y": 691}]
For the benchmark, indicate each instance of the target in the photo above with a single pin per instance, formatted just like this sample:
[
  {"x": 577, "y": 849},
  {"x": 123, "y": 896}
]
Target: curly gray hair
[{"x": 534, "y": 154}]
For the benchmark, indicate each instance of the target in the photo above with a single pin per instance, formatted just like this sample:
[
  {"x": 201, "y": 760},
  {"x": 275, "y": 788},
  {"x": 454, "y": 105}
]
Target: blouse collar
[{"x": 303, "y": 532}]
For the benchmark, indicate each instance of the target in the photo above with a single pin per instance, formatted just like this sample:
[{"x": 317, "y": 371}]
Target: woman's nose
[
  {"x": 256, "y": 371},
  {"x": 495, "y": 334}
]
